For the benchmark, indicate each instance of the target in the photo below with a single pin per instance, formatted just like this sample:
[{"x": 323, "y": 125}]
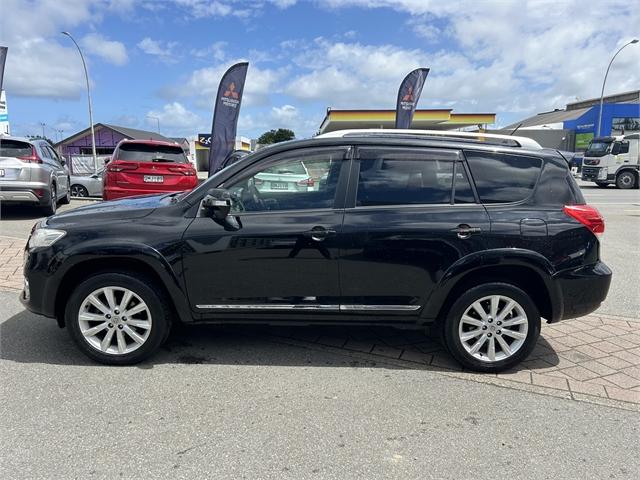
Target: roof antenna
[{"x": 516, "y": 129}]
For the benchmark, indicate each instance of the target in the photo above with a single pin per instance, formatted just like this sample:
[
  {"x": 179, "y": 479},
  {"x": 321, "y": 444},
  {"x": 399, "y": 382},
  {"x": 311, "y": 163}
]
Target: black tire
[
  {"x": 451, "y": 325},
  {"x": 146, "y": 289},
  {"x": 80, "y": 190},
  {"x": 626, "y": 180},
  {"x": 602, "y": 185},
  {"x": 67, "y": 198},
  {"x": 52, "y": 205}
]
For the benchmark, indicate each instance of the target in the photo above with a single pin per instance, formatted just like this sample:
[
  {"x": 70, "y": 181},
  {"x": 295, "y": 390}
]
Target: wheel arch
[
  {"x": 526, "y": 270},
  {"x": 141, "y": 265}
]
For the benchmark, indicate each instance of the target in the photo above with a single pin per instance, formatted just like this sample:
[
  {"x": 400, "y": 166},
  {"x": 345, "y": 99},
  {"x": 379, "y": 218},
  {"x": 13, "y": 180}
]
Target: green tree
[
  {"x": 276, "y": 136},
  {"x": 40, "y": 137}
]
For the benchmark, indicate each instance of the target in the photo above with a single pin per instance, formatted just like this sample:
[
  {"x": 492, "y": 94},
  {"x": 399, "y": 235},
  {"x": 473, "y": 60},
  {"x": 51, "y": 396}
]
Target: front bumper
[{"x": 583, "y": 289}]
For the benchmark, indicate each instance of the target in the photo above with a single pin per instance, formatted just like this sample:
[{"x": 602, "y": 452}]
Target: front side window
[
  {"x": 503, "y": 178},
  {"x": 405, "y": 177},
  {"x": 295, "y": 181}
]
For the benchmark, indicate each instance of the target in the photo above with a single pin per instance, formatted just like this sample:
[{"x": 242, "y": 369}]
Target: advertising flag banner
[
  {"x": 3, "y": 58},
  {"x": 408, "y": 96},
  {"x": 225, "y": 115}
]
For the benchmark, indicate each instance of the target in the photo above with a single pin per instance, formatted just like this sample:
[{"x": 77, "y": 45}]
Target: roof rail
[{"x": 471, "y": 137}]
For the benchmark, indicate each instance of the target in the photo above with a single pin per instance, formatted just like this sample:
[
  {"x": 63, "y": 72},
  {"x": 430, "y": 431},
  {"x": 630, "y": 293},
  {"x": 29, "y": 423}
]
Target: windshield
[
  {"x": 142, "y": 152},
  {"x": 597, "y": 149}
]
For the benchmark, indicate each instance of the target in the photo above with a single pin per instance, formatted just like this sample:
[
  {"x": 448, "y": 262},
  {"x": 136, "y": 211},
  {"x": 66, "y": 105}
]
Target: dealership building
[{"x": 573, "y": 127}]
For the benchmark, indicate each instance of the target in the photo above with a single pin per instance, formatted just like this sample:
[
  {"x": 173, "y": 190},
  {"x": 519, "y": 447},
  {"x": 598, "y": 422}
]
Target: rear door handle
[
  {"x": 319, "y": 233},
  {"x": 465, "y": 231}
]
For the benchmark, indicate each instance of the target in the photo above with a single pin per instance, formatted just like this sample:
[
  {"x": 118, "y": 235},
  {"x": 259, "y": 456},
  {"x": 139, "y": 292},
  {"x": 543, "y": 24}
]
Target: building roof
[
  {"x": 546, "y": 118},
  {"x": 131, "y": 133},
  {"x": 435, "y": 119},
  {"x": 625, "y": 97}
]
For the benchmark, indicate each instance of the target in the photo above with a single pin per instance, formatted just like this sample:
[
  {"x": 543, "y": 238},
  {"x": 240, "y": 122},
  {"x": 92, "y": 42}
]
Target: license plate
[
  {"x": 279, "y": 186},
  {"x": 153, "y": 178},
  {"x": 1, "y": 172}
]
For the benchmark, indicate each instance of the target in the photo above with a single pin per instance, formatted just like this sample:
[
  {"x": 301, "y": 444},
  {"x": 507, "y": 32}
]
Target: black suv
[{"x": 476, "y": 235}]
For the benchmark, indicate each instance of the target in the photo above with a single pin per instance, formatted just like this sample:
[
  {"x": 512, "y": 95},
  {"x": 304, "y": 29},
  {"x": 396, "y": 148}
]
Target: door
[
  {"x": 280, "y": 250},
  {"x": 50, "y": 157},
  {"x": 411, "y": 213}
]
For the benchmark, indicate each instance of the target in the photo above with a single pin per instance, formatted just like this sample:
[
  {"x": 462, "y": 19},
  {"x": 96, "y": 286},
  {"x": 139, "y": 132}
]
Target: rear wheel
[
  {"x": 492, "y": 327},
  {"x": 50, "y": 208},
  {"x": 79, "y": 191},
  {"x": 67, "y": 198},
  {"x": 626, "y": 180},
  {"x": 117, "y": 319}
]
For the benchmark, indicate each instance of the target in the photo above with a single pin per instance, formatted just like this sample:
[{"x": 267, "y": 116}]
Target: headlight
[{"x": 45, "y": 237}]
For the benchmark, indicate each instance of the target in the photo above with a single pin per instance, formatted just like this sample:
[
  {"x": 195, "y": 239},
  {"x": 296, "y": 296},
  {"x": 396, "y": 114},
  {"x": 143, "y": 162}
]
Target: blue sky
[{"x": 164, "y": 58}]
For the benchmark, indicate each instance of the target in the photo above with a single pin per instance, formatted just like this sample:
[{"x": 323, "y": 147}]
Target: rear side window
[
  {"x": 503, "y": 178},
  {"x": 142, "y": 152},
  {"x": 405, "y": 177},
  {"x": 15, "y": 148}
]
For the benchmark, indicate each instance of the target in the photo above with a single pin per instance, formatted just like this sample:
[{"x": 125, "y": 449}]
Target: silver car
[
  {"x": 31, "y": 172},
  {"x": 87, "y": 185}
]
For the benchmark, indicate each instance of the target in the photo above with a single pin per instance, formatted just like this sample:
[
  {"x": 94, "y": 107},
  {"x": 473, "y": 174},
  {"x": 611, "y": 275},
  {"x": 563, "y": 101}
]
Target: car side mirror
[
  {"x": 216, "y": 203},
  {"x": 63, "y": 162},
  {"x": 107, "y": 160},
  {"x": 95, "y": 175}
]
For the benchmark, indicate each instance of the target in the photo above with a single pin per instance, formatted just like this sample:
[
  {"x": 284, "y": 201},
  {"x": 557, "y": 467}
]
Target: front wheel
[
  {"x": 51, "y": 207},
  {"x": 67, "y": 198},
  {"x": 79, "y": 191},
  {"x": 117, "y": 319},
  {"x": 626, "y": 180},
  {"x": 492, "y": 327}
]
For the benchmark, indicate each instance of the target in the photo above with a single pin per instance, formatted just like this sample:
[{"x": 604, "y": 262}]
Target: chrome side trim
[
  {"x": 324, "y": 308},
  {"x": 379, "y": 308}
]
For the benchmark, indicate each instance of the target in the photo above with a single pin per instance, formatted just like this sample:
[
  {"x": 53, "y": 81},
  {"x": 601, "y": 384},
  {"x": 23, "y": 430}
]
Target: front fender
[
  {"x": 93, "y": 252},
  {"x": 500, "y": 257}
]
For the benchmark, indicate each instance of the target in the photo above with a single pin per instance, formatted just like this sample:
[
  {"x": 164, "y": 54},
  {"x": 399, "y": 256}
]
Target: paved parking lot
[{"x": 326, "y": 402}]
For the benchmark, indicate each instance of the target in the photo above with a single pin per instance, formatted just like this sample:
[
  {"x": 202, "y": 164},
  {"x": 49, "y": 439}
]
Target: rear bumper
[
  {"x": 24, "y": 192},
  {"x": 112, "y": 193},
  {"x": 583, "y": 289}
]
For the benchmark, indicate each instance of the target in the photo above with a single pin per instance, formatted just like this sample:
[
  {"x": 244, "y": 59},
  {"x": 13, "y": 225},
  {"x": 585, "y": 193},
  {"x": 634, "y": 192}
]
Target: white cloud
[
  {"x": 112, "y": 51},
  {"x": 260, "y": 84},
  {"x": 175, "y": 119},
  {"x": 215, "y": 51},
  {"x": 164, "y": 51}
]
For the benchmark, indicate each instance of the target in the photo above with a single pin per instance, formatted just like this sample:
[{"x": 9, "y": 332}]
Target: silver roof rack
[{"x": 473, "y": 137}]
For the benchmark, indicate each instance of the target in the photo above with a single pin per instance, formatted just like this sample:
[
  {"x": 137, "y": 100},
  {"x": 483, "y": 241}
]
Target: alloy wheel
[
  {"x": 78, "y": 191},
  {"x": 114, "y": 320},
  {"x": 493, "y": 328}
]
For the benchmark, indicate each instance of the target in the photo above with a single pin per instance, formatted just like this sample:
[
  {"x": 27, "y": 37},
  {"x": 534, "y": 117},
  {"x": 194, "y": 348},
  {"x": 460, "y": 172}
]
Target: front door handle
[
  {"x": 465, "y": 231},
  {"x": 319, "y": 233}
]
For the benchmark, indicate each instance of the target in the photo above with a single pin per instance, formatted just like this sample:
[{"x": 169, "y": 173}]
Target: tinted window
[
  {"x": 141, "y": 152},
  {"x": 404, "y": 177},
  {"x": 14, "y": 148},
  {"x": 295, "y": 181},
  {"x": 463, "y": 194},
  {"x": 503, "y": 178}
]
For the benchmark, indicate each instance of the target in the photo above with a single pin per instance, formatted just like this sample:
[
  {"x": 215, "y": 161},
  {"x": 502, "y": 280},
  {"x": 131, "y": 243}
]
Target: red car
[{"x": 141, "y": 167}]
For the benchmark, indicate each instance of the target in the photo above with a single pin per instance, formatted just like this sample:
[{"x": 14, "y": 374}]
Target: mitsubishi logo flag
[
  {"x": 408, "y": 96},
  {"x": 225, "y": 115},
  {"x": 3, "y": 58}
]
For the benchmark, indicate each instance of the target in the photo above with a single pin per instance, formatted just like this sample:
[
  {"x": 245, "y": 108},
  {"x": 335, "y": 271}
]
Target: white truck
[{"x": 613, "y": 160}]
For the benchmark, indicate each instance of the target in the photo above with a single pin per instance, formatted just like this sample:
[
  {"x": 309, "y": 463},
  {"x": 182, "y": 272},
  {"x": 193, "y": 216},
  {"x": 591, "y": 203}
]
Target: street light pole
[
  {"x": 635, "y": 40},
  {"x": 42, "y": 124},
  {"x": 157, "y": 120},
  {"x": 86, "y": 76}
]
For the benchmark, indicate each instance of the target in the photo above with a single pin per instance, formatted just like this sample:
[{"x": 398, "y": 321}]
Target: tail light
[
  {"x": 33, "y": 158},
  {"x": 119, "y": 167},
  {"x": 189, "y": 172},
  {"x": 307, "y": 182},
  {"x": 587, "y": 215}
]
